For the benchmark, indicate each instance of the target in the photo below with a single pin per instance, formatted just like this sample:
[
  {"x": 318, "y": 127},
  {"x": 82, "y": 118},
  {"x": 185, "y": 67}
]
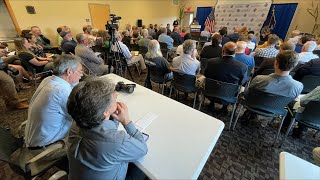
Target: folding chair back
[
  {"x": 226, "y": 91},
  {"x": 311, "y": 115},
  {"x": 310, "y": 82},
  {"x": 258, "y": 60},
  {"x": 184, "y": 82},
  {"x": 203, "y": 65}
]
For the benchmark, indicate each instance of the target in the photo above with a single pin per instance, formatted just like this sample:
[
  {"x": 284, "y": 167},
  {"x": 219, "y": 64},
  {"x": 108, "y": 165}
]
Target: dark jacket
[
  {"x": 211, "y": 52},
  {"x": 177, "y": 39},
  {"x": 310, "y": 68}
]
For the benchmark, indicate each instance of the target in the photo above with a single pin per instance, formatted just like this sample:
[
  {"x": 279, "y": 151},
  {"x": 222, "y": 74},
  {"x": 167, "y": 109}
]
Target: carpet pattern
[{"x": 245, "y": 153}]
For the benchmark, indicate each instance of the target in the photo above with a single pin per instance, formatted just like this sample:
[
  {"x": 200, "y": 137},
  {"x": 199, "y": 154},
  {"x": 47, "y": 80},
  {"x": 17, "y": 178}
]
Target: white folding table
[{"x": 181, "y": 138}]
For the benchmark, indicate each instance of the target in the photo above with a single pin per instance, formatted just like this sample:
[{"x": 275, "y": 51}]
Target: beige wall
[{"x": 52, "y": 13}]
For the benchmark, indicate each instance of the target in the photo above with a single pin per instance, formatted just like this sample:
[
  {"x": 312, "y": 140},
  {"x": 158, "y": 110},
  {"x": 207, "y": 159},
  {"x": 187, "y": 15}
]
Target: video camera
[
  {"x": 128, "y": 88},
  {"x": 112, "y": 24}
]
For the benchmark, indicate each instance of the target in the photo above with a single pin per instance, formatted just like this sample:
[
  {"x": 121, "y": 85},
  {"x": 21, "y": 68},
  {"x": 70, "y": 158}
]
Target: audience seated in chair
[
  {"x": 179, "y": 50},
  {"x": 269, "y": 51},
  {"x": 310, "y": 68},
  {"x": 87, "y": 29},
  {"x": 48, "y": 120},
  {"x": 154, "y": 55},
  {"x": 295, "y": 36},
  {"x": 175, "y": 35},
  {"x": 68, "y": 44},
  {"x": 36, "y": 48},
  {"x": 302, "y": 40},
  {"x": 130, "y": 57},
  {"x": 226, "y": 69},
  {"x": 240, "y": 56},
  {"x": 235, "y": 35},
  {"x": 187, "y": 63},
  {"x": 88, "y": 57},
  {"x": 27, "y": 57},
  {"x": 163, "y": 37},
  {"x": 279, "y": 82},
  {"x": 99, "y": 150},
  {"x": 214, "y": 50},
  {"x": 9, "y": 94},
  {"x": 144, "y": 41},
  {"x": 307, "y": 52},
  {"x": 41, "y": 39},
  {"x": 268, "y": 63},
  {"x": 206, "y": 32}
]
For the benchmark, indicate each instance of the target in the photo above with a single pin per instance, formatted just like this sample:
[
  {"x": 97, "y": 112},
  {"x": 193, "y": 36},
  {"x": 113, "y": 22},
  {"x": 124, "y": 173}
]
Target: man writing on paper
[{"x": 99, "y": 150}]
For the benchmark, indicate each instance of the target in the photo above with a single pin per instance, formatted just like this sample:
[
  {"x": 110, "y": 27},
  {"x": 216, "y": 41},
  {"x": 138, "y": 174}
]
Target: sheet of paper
[{"x": 145, "y": 121}]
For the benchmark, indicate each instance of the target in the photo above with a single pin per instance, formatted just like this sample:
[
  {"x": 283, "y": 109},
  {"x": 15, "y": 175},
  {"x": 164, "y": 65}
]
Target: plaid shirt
[{"x": 267, "y": 52}]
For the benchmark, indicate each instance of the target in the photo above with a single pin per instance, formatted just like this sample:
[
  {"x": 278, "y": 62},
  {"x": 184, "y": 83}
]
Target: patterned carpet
[{"x": 245, "y": 153}]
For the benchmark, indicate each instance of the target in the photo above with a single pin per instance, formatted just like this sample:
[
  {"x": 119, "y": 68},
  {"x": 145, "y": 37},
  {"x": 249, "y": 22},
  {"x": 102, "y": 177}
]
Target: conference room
[{"x": 166, "y": 89}]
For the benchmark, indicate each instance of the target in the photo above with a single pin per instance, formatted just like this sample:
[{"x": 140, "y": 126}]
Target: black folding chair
[
  {"x": 317, "y": 52},
  {"x": 185, "y": 83},
  {"x": 164, "y": 49},
  {"x": 265, "y": 104},
  {"x": 203, "y": 65},
  {"x": 155, "y": 74},
  {"x": 225, "y": 91},
  {"x": 143, "y": 50},
  {"x": 310, "y": 117},
  {"x": 310, "y": 82},
  {"x": 258, "y": 61},
  {"x": 26, "y": 65}
]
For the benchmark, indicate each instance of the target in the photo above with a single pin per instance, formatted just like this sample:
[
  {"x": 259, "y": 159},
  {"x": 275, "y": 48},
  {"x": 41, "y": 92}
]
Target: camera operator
[
  {"x": 130, "y": 57},
  {"x": 8, "y": 91}
]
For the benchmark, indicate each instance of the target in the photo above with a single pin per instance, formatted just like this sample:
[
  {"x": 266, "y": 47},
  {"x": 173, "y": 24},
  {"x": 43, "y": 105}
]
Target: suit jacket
[
  {"x": 177, "y": 39},
  {"x": 211, "y": 52},
  {"x": 226, "y": 69},
  {"x": 43, "y": 41},
  {"x": 68, "y": 46},
  {"x": 310, "y": 68}
]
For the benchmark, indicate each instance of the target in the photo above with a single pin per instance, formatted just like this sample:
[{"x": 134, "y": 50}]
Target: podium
[{"x": 195, "y": 30}]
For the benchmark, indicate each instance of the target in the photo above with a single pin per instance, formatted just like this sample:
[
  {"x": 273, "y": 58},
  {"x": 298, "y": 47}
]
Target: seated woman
[
  {"x": 26, "y": 56},
  {"x": 37, "y": 49},
  {"x": 154, "y": 56},
  {"x": 103, "y": 39}
]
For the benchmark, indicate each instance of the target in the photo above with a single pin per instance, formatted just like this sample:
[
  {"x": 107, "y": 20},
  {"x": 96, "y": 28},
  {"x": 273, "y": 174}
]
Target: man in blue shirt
[
  {"x": 99, "y": 150},
  {"x": 240, "y": 56},
  {"x": 164, "y": 38},
  {"x": 48, "y": 119}
]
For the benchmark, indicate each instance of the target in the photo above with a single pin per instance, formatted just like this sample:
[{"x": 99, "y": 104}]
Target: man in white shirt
[
  {"x": 307, "y": 52},
  {"x": 130, "y": 57},
  {"x": 186, "y": 63}
]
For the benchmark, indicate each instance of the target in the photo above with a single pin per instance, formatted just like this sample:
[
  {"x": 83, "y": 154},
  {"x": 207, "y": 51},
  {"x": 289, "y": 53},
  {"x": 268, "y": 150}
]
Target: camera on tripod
[
  {"x": 128, "y": 88},
  {"x": 112, "y": 25}
]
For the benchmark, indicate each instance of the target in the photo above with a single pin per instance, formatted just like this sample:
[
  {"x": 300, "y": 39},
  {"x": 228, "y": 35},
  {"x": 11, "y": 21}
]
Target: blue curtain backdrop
[
  {"x": 202, "y": 14},
  {"x": 284, "y": 14}
]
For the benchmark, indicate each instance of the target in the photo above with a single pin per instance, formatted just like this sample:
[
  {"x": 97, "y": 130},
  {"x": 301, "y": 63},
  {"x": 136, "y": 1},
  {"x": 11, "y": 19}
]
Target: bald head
[
  {"x": 309, "y": 46},
  {"x": 241, "y": 46},
  {"x": 229, "y": 49},
  {"x": 287, "y": 46}
]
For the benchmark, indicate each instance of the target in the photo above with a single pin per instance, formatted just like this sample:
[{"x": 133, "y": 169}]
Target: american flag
[{"x": 210, "y": 21}]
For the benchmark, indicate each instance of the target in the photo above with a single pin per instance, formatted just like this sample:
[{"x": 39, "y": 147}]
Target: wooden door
[{"x": 99, "y": 15}]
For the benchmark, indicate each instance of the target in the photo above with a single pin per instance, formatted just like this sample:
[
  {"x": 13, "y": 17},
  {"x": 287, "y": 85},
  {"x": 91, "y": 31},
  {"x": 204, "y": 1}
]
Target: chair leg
[
  {"x": 201, "y": 100},
  {"x": 171, "y": 87},
  {"x": 232, "y": 114},
  {"x": 279, "y": 128},
  {"x": 194, "y": 100},
  {"x": 293, "y": 120},
  {"x": 162, "y": 92},
  {"x": 236, "y": 120}
]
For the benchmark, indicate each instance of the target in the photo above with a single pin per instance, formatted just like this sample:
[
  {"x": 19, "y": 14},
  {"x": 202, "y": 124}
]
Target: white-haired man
[
  {"x": 307, "y": 52},
  {"x": 144, "y": 41},
  {"x": 130, "y": 57},
  {"x": 295, "y": 36},
  {"x": 240, "y": 56}
]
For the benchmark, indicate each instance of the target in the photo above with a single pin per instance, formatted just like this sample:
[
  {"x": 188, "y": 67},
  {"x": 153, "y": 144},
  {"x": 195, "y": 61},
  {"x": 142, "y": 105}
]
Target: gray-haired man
[{"x": 48, "y": 119}]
